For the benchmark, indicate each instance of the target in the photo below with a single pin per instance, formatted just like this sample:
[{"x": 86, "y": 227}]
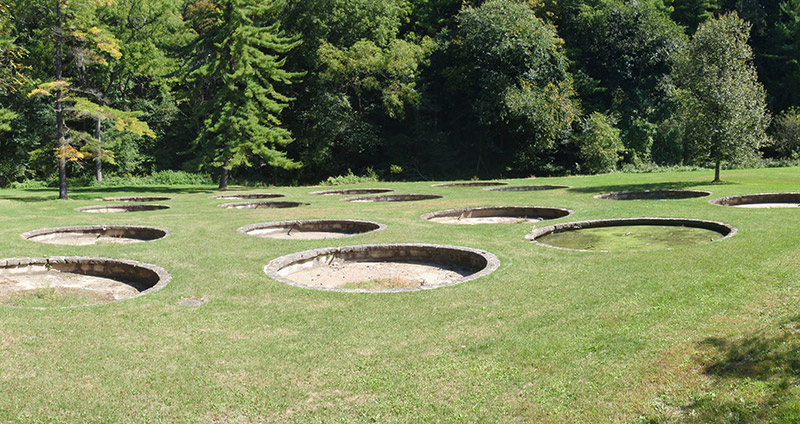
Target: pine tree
[
  {"x": 691, "y": 13},
  {"x": 237, "y": 67}
]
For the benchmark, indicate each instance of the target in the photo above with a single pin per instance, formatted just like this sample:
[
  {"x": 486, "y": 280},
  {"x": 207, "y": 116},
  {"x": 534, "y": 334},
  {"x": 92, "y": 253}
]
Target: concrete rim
[
  {"x": 471, "y": 184},
  {"x": 726, "y": 230},
  {"x": 234, "y": 196},
  {"x": 352, "y": 191},
  {"x": 246, "y": 229},
  {"x": 164, "y": 277},
  {"x": 273, "y": 267},
  {"x": 543, "y": 212},
  {"x": 755, "y": 198},
  {"x": 665, "y": 194},
  {"x": 526, "y": 188},
  {"x": 262, "y": 205},
  {"x": 28, "y": 235},
  {"x": 129, "y": 207},
  {"x": 392, "y": 198},
  {"x": 135, "y": 199}
]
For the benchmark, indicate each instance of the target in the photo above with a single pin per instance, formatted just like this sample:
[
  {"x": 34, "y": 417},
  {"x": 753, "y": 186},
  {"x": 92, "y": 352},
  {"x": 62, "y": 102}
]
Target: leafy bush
[
  {"x": 787, "y": 132},
  {"x": 599, "y": 143},
  {"x": 351, "y": 178}
]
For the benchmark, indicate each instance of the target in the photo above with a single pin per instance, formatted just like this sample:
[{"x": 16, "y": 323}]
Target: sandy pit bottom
[
  {"x": 37, "y": 278},
  {"x": 768, "y": 205},
  {"x": 379, "y": 275},
  {"x": 295, "y": 234},
  {"x": 482, "y": 220},
  {"x": 83, "y": 239}
]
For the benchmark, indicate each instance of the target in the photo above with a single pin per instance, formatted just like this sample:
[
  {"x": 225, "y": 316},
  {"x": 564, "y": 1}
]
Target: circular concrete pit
[
  {"x": 760, "y": 200},
  {"x": 133, "y": 207},
  {"x": 496, "y": 215},
  {"x": 382, "y": 267},
  {"x": 311, "y": 229},
  {"x": 526, "y": 188},
  {"x": 136, "y": 199},
  {"x": 75, "y": 281},
  {"x": 84, "y": 235},
  {"x": 350, "y": 191},
  {"x": 653, "y": 195},
  {"x": 392, "y": 198},
  {"x": 471, "y": 184},
  {"x": 234, "y": 196},
  {"x": 629, "y": 234},
  {"x": 262, "y": 205}
]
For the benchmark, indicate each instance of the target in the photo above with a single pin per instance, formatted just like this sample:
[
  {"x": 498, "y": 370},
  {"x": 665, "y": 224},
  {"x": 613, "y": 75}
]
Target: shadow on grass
[
  {"x": 91, "y": 193},
  {"x": 677, "y": 185},
  {"x": 763, "y": 370}
]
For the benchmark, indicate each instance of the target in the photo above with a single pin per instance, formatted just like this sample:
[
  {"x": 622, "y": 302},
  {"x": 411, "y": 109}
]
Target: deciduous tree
[{"x": 723, "y": 104}]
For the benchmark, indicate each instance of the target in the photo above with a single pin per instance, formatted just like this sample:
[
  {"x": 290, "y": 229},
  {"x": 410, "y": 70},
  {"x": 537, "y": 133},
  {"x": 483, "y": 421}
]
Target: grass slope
[{"x": 705, "y": 333}]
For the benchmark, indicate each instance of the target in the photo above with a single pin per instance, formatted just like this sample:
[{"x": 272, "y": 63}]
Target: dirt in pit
[
  {"x": 379, "y": 275},
  {"x": 39, "y": 281}
]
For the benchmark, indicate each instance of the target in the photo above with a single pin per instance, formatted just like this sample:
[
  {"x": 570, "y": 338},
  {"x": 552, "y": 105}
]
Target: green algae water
[{"x": 630, "y": 237}]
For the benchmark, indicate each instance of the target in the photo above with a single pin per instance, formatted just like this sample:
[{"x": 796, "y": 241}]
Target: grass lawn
[{"x": 700, "y": 333}]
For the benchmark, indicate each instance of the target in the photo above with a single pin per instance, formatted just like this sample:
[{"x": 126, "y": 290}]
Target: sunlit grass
[{"x": 698, "y": 333}]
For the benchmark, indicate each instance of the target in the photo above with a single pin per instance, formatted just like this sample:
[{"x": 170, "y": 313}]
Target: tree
[
  {"x": 723, "y": 104},
  {"x": 237, "y": 65},
  {"x": 509, "y": 70},
  {"x": 691, "y": 13},
  {"x": 599, "y": 144},
  {"x": 78, "y": 38}
]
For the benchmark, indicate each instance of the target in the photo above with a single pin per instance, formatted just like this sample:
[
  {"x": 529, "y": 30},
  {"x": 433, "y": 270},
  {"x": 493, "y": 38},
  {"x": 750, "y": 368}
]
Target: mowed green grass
[{"x": 702, "y": 333}]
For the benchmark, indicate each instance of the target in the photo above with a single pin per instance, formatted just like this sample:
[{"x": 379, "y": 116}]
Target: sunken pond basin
[
  {"x": 132, "y": 207},
  {"x": 496, "y": 215},
  {"x": 471, "y": 184},
  {"x": 628, "y": 234},
  {"x": 241, "y": 196},
  {"x": 760, "y": 200},
  {"x": 392, "y": 198},
  {"x": 262, "y": 205},
  {"x": 382, "y": 267},
  {"x": 85, "y": 235},
  {"x": 526, "y": 188},
  {"x": 351, "y": 191},
  {"x": 136, "y": 199},
  {"x": 311, "y": 229},
  {"x": 62, "y": 281},
  {"x": 668, "y": 194}
]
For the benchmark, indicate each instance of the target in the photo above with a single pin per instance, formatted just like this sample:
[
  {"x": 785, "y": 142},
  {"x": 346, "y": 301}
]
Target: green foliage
[
  {"x": 723, "y": 104},
  {"x": 510, "y": 67},
  {"x": 391, "y": 73},
  {"x": 787, "y": 132},
  {"x": 351, "y": 178},
  {"x": 238, "y": 63},
  {"x": 599, "y": 144}
]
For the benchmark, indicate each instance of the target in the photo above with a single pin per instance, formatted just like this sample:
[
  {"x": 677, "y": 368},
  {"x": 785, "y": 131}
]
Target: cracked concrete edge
[
  {"x": 664, "y": 194},
  {"x": 375, "y": 226},
  {"x": 89, "y": 228},
  {"x": 562, "y": 212},
  {"x": 274, "y": 266}
]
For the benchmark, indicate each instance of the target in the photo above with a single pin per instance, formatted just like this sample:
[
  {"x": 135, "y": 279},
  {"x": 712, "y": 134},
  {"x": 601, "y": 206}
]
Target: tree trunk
[
  {"x": 716, "y": 172},
  {"x": 223, "y": 177},
  {"x": 98, "y": 161},
  {"x": 61, "y": 141}
]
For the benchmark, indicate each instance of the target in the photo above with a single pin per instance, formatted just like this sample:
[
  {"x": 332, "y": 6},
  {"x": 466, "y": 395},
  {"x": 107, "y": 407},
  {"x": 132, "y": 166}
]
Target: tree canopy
[{"x": 295, "y": 92}]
